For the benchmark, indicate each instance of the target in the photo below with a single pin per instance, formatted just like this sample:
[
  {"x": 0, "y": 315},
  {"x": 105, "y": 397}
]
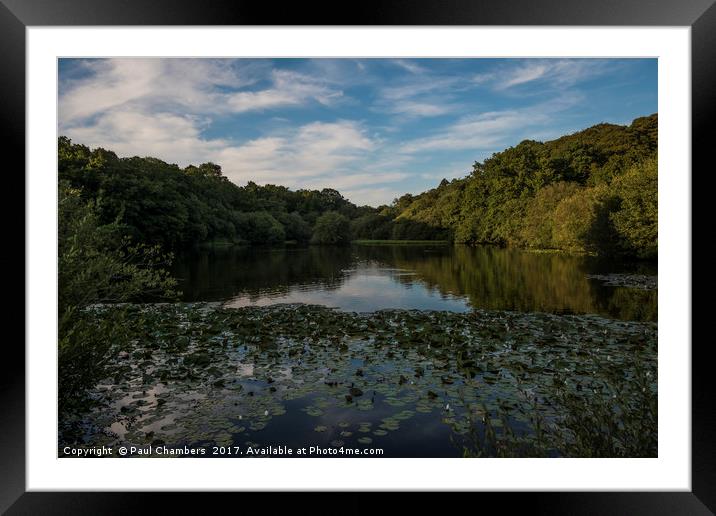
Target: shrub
[{"x": 97, "y": 264}]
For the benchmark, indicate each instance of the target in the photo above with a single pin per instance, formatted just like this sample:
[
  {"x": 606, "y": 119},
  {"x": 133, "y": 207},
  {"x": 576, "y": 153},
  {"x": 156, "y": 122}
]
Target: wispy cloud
[
  {"x": 375, "y": 196},
  {"x": 289, "y": 89},
  {"x": 527, "y": 73},
  {"x": 351, "y": 181},
  {"x": 186, "y": 85},
  {"x": 410, "y": 66},
  {"x": 173, "y": 138},
  {"x": 415, "y": 87},
  {"x": 413, "y": 108},
  {"x": 473, "y": 132},
  {"x": 421, "y": 96},
  {"x": 553, "y": 72},
  {"x": 204, "y": 86},
  {"x": 313, "y": 150},
  {"x": 492, "y": 129}
]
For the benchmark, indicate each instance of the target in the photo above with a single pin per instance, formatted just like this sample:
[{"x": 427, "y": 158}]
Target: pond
[
  {"x": 365, "y": 278},
  {"x": 412, "y": 350}
]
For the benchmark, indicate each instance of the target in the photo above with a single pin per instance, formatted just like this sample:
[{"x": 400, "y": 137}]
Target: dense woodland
[{"x": 593, "y": 191}]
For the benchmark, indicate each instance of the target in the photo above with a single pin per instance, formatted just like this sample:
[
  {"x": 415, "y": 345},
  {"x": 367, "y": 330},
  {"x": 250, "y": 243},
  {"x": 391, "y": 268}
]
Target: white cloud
[
  {"x": 290, "y": 89},
  {"x": 558, "y": 73},
  {"x": 409, "y": 66},
  {"x": 477, "y": 132},
  {"x": 349, "y": 182},
  {"x": 418, "y": 97},
  {"x": 315, "y": 155},
  {"x": 415, "y": 108},
  {"x": 160, "y": 108},
  {"x": 198, "y": 86},
  {"x": 417, "y": 86},
  {"x": 186, "y": 85},
  {"x": 527, "y": 73},
  {"x": 313, "y": 150},
  {"x": 170, "y": 137},
  {"x": 490, "y": 130},
  {"x": 482, "y": 78},
  {"x": 373, "y": 196}
]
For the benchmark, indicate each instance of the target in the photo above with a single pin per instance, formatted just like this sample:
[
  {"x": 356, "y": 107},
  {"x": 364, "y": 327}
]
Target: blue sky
[{"x": 371, "y": 128}]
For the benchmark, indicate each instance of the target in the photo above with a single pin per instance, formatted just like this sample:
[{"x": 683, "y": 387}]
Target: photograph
[{"x": 357, "y": 257}]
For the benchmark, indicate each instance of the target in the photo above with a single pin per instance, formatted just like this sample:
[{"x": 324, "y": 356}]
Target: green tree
[
  {"x": 331, "y": 228},
  {"x": 260, "y": 228},
  {"x": 295, "y": 227},
  {"x": 372, "y": 226},
  {"x": 97, "y": 264},
  {"x": 636, "y": 220},
  {"x": 509, "y": 198},
  {"x": 582, "y": 221},
  {"x": 538, "y": 225}
]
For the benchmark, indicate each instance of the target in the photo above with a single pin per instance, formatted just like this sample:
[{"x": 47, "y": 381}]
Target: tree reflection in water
[{"x": 438, "y": 277}]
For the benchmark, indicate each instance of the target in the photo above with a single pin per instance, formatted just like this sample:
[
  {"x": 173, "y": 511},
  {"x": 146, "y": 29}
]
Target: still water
[{"x": 365, "y": 278}]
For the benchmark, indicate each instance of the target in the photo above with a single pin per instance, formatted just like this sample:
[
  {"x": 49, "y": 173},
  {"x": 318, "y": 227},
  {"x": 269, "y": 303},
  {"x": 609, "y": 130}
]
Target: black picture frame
[{"x": 17, "y": 15}]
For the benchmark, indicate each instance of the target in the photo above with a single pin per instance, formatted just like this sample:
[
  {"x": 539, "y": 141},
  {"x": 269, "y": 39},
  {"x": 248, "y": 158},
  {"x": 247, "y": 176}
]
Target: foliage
[
  {"x": 259, "y": 228},
  {"x": 615, "y": 419},
  {"x": 538, "y": 225},
  {"x": 636, "y": 220},
  {"x": 331, "y": 228},
  {"x": 372, "y": 226},
  {"x": 384, "y": 226},
  {"x": 96, "y": 264},
  {"x": 160, "y": 203},
  {"x": 593, "y": 191},
  {"x": 294, "y": 226},
  {"x": 581, "y": 222}
]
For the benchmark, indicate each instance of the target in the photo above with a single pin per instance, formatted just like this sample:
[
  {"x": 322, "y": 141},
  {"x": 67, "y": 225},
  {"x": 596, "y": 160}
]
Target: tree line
[
  {"x": 160, "y": 203},
  {"x": 592, "y": 191}
]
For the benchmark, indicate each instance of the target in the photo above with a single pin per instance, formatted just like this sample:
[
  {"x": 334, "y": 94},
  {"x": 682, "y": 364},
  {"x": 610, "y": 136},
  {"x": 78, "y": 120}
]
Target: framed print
[{"x": 413, "y": 250}]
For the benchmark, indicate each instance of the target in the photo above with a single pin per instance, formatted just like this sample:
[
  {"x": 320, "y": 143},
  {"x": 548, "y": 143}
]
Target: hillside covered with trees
[{"x": 593, "y": 191}]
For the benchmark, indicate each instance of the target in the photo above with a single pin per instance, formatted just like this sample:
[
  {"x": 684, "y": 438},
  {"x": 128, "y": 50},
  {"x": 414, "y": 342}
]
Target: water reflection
[{"x": 455, "y": 278}]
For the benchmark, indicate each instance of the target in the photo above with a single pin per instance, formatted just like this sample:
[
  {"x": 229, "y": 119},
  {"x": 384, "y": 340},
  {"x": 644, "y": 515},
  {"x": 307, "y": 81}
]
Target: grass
[
  {"x": 222, "y": 243},
  {"x": 401, "y": 242},
  {"x": 557, "y": 251}
]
